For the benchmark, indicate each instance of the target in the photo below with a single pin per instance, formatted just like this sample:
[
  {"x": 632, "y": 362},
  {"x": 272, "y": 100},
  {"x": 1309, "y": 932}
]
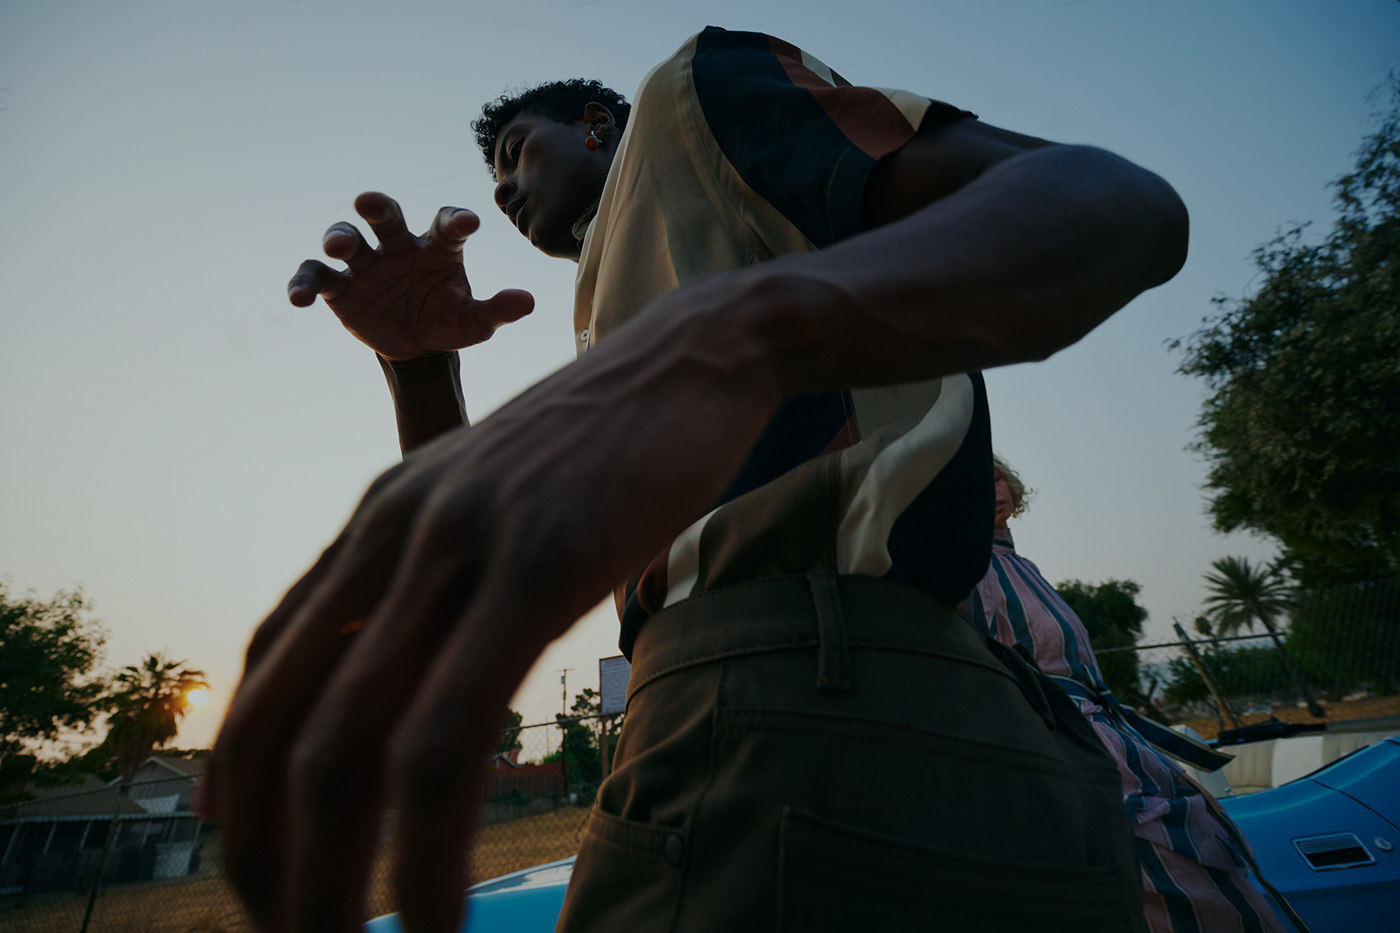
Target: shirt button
[{"x": 675, "y": 849}]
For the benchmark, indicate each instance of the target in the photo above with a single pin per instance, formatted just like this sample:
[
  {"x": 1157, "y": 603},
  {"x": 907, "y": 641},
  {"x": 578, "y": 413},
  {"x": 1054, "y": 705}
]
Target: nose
[{"x": 503, "y": 192}]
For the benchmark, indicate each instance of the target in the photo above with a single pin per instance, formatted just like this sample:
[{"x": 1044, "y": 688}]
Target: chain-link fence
[
  {"x": 160, "y": 866},
  {"x": 1336, "y": 659},
  {"x": 1338, "y": 656}
]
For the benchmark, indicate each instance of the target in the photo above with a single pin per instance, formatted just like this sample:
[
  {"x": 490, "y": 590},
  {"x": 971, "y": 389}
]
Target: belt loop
[{"x": 833, "y": 649}]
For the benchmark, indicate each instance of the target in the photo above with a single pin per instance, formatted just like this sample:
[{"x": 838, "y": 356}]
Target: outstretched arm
[
  {"x": 380, "y": 678},
  {"x": 986, "y": 248},
  {"x": 409, "y": 300}
]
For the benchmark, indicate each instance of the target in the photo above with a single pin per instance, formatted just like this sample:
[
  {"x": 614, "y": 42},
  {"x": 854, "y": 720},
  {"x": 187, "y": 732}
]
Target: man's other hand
[{"x": 410, "y": 296}]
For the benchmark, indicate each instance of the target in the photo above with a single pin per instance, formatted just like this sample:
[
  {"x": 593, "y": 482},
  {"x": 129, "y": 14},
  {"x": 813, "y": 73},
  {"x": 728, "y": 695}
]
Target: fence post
[
  {"x": 112, "y": 829},
  {"x": 603, "y": 746},
  {"x": 1226, "y": 711}
]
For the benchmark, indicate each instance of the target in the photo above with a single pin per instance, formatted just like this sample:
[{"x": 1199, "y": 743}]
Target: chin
[{"x": 568, "y": 249}]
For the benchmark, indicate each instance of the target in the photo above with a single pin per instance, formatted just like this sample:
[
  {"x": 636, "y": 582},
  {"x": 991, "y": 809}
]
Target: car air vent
[{"x": 1338, "y": 850}]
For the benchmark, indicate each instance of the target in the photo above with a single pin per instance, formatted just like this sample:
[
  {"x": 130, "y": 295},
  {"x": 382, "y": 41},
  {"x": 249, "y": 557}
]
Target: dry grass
[
  {"x": 1337, "y": 711},
  {"x": 201, "y": 904},
  {"x": 205, "y": 904}
]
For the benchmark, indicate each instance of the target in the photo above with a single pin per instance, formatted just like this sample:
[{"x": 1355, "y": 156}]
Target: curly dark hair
[{"x": 558, "y": 100}]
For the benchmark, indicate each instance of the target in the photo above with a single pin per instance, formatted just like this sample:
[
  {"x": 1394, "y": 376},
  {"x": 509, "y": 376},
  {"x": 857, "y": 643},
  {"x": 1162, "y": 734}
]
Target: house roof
[
  {"x": 86, "y": 798},
  {"x": 184, "y": 767},
  {"x": 162, "y": 768}
]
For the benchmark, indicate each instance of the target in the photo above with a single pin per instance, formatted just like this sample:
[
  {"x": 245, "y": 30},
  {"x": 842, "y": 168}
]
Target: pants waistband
[{"x": 833, "y": 613}]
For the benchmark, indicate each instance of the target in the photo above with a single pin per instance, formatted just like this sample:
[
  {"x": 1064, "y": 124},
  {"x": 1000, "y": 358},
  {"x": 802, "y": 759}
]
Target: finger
[
  {"x": 269, "y": 713},
  {"x": 439, "y": 755},
  {"x": 344, "y": 241},
  {"x": 451, "y": 227},
  {"x": 206, "y": 798},
  {"x": 506, "y": 306},
  {"x": 314, "y": 278},
  {"x": 337, "y": 788},
  {"x": 385, "y": 218}
]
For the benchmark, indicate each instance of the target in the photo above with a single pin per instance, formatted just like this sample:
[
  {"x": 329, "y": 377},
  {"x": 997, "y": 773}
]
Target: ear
[{"x": 599, "y": 119}]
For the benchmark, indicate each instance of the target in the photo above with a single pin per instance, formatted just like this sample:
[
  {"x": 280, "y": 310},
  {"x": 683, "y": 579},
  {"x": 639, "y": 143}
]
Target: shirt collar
[{"x": 580, "y": 228}]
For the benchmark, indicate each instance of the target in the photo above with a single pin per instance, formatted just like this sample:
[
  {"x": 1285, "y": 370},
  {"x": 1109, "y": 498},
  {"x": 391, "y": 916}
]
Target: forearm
[
  {"x": 1019, "y": 263},
  {"x": 427, "y": 394}
]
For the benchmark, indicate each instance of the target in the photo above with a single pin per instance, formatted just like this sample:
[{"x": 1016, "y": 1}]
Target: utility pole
[
  {"x": 1227, "y": 713},
  {"x": 564, "y": 690}
]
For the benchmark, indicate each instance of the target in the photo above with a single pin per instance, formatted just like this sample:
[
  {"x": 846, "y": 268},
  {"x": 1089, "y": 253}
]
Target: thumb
[{"x": 505, "y": 307}]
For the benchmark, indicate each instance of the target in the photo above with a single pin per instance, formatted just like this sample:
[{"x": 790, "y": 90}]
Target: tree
[
  {"x": 1301, "y": 431},
  {"x": 1237, "y": 672},
  {"x": 1349, "y": 635},
  {"x": 579, "y": 748},
  {"x": 48, "y": 651},
  {"x": 148, "y": 701},
  {"x": 1114, "y": 620},
  {"x": 1238, "y": 593},
  {"x": 510, "y": 733}
]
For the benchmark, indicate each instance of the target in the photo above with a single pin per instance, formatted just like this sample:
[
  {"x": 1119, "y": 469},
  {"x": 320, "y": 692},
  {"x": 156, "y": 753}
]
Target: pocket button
[{"x": 674, "y": 849}]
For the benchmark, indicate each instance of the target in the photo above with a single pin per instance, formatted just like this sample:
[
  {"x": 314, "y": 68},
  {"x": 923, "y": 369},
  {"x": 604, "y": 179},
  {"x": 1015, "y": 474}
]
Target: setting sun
[{"x": 196, "y": 696}]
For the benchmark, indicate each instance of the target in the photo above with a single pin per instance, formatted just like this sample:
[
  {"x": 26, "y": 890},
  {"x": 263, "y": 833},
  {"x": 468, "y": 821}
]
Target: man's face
[{"x": 546, "y": 178}]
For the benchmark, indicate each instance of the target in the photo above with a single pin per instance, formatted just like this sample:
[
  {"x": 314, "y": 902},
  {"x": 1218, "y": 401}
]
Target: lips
[{"x": 514, "y": 208}]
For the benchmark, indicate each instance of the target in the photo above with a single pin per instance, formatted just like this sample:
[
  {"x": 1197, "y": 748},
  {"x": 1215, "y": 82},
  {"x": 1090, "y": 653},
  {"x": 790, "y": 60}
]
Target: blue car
[
  {"x": 524, "y": 901},
  {"x": 1327, "y": 840}
]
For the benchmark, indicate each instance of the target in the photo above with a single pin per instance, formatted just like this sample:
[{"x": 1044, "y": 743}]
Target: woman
[{"x": 1195, "y": 862}]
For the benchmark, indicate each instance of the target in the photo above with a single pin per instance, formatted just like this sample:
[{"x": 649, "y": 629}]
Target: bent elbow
[{"x": 1175, "y": 236}]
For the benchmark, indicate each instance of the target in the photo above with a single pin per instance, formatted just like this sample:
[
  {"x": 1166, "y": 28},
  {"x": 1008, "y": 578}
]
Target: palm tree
[
  {"x": 147, "y": 703},
  {"x": 1241, "y": 593}
]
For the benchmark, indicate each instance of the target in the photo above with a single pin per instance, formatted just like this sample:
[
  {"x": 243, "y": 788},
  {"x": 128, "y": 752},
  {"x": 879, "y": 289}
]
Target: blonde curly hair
[{"x": 1020, "y": 492}]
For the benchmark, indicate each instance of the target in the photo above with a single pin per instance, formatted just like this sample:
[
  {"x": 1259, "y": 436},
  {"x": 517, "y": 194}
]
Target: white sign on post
[{"x": 612, "y": 679}]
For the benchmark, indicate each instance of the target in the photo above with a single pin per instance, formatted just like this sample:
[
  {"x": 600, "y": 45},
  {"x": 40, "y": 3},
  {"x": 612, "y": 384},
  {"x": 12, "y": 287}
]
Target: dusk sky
[{"x": 181, "y": 442}]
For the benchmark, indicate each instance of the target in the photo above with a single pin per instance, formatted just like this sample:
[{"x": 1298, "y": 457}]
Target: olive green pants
[{"x": 823, "y": 753}]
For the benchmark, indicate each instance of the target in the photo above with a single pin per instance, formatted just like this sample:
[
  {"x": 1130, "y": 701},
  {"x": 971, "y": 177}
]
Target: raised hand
[
  {"x": 410, "y": 296},
  {"x": 381, "y": 678}
]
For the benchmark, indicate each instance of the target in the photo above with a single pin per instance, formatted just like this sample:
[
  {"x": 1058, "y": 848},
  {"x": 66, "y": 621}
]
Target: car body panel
[
  {"x": 521, "y": 902},
  {"x": 1350, "y": 804}
]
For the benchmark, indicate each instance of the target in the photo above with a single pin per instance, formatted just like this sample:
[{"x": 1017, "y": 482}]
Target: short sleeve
[{"x": 798, "y": 134}]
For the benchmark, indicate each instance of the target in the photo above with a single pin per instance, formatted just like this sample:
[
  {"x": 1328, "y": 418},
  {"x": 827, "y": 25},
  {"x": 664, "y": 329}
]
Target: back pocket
[
  {"x": 839, "y": 878},
  {"x": 627, "y": 876}
]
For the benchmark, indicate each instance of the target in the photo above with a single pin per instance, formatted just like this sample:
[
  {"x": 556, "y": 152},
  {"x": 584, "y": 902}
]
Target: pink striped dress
[{"x": 1195, "y": 870}]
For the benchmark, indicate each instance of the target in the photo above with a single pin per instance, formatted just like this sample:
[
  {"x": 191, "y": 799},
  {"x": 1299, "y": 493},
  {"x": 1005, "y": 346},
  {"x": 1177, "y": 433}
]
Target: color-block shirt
[{"x": 738, "y": 149}]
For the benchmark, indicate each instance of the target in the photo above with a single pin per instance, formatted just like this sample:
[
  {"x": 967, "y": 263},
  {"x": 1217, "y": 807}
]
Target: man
[{"x": 781, "y": 465}]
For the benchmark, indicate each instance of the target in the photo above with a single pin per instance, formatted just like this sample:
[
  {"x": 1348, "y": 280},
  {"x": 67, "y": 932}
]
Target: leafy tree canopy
[
  {"x": 1301, "y": 430},
  {"x": 1113, "y": 618},
  {"x": 579, "y": 746},
  {"x": 48, "y": 652},
  {"x": 1109, "y": 610},
  {"x": 510, "y": 732}
]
